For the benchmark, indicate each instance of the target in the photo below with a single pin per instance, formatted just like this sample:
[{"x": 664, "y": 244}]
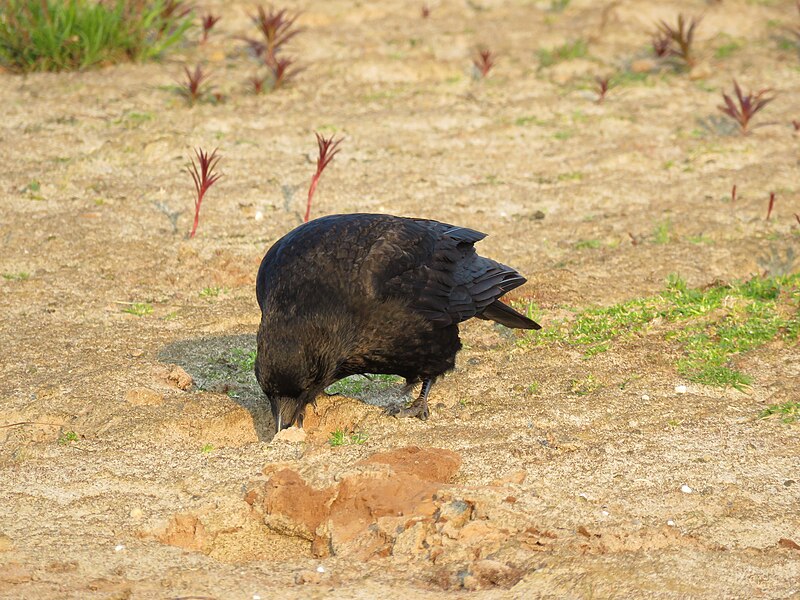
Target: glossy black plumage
[{"x": 362, "y": 293}]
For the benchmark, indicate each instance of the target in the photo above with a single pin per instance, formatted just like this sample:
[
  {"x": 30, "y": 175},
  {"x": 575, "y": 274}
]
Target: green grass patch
[
  {"x": 582, "y": 244},
  {"x": 140, "y": 309},
  {"x": 788, "y": 412},
  {"x": 359, "y": 384},
  {"x": 716, "y": 324},
  {"x": 70, "y": 35},
  {"x": 568, "y": 51},
  {"x": 18, "y": 276},
  {"x": 244, "y": 360},
  {"x": 67, "y": 437},
  {"x": 347, "y": 438},
  {"x": 662, "y": 232}
]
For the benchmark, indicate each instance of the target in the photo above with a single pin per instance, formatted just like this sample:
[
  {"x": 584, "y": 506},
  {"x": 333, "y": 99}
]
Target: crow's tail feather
[{"x": 505, "y": 315}]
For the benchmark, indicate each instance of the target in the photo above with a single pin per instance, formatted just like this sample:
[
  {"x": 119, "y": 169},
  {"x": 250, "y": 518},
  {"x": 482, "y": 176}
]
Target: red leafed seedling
[
  {"x": 483, "y": 62},
  {"x": 678, "y": 39},
  {"x": 661, "y": 44},
  {"x": 603, "y": 85},
  {"x": 192, "y": 87},
  {"x": 202, "y": 173},
  {"x": 425, "y": 11},
  {"x": 282, "y": 71},
  {"x": 207, "y": 22},
  {"x": 328, "y": 148},
  {"x": 257, "y": 83},
  {"x": 748, "y": 105},
  {"x": 771, "y": 204},
  {"x": 277, "y": 27}
]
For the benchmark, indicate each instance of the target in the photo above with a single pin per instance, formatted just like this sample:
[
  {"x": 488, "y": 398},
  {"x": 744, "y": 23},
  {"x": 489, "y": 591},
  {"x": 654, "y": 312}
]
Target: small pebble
[
  {"x": 256, "y": 597},
  {"x": 136, "y": 513},
  {"x": 604, "y": 513},
  {"x": 119, "y": 548},
  {"x": 671, "y": 523},
  {"x": 681, "y": 389},
  {"x": 583, "y": 496},
  {"x": 320, "y": 569},
  {"x": 645, "y": 397},
  {"x": 686, "y": 489},
  {"x": 259, "y": 215}
]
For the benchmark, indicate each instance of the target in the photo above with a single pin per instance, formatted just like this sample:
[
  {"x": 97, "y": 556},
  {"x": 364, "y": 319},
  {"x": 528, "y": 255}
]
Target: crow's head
[{"x": 287, "y": 411}]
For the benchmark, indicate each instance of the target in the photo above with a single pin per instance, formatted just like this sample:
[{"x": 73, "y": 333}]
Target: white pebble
[
  {"x": 681, "y": 389},
  {"x": 604, "y": 513},
  {"x": 645, "y": 397},
  {"x": 119, "y": 548},
  {"x": 259, "y": 215},
  {"x": 686, "y": 489},
  {"x": 320, "y": 569},
  {"x": 671, "y": 523},
  {"x": 256, "y": 597},
  {"x": 584, "y": 496}
]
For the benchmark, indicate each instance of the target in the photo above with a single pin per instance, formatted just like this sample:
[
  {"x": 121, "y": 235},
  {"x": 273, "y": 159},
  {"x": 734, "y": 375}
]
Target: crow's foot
[{"x": 418, "y": 408}]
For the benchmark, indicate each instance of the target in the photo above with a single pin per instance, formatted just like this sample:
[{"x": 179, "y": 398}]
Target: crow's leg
[{"x": 418, "y": 408}]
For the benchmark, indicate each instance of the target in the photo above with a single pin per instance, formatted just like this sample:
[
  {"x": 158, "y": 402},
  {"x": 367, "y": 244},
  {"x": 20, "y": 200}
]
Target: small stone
[
  {"x": 320, "y": 569},
  {"x": 136, "y": 513},
  {"x": 681, "y": 389},
  {"x": 686, "y": 489},
  {"x": 259, "y": 215},
  {"x": 605, "y": 513},
  {"x": 119, "y": 547},
  {"x": 142, "y": 396},
  {"x": 671, "y": 523},
  {"x": 179, "y": 377},
  {"x": 292, "y": 434},
  {"x": 645, "y": 397}
]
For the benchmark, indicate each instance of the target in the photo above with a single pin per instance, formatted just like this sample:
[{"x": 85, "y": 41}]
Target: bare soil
[{"x": 123, "y": 479}]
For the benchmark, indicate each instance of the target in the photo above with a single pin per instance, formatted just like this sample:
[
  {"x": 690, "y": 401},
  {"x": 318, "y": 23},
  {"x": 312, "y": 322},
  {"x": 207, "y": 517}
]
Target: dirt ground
[{"x": 118, "y": 483}]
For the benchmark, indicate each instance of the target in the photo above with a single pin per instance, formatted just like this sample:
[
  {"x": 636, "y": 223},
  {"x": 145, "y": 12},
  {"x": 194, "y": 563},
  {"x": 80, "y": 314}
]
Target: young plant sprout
[
  {"x": 661, "y": 44},
  {"x": 483, "y": 62},
  {"x": 192, "y": 88},
  {"x": 425, "y": 11},
  {"x": 257, "y": 83},
  {"x": 747, "y": 107},
  {"x": 771, "y": 204},
  {"x": 207, "y": 22},
  {"x": 277, "y": 27},
  {"x": 733, "y": 194},
  {"x": 282, "y": 71},
  {"x": 328, "y": 148},
  {"x": 204, "y": 177},
  {"x": 603, "y": 85},
  {"x": 680, "y": 38}
]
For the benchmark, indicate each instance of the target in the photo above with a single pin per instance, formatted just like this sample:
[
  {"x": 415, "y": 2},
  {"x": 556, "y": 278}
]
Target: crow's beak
[{"x": 286, "y": 412}]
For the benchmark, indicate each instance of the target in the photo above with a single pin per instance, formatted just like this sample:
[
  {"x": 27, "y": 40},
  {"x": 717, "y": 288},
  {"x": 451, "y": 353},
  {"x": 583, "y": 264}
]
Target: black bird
[{"x": 362, "y": 293}]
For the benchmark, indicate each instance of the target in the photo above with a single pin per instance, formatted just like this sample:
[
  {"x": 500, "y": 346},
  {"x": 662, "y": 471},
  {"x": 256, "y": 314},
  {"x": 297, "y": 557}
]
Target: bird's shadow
[{"x": 225, "y": 364}]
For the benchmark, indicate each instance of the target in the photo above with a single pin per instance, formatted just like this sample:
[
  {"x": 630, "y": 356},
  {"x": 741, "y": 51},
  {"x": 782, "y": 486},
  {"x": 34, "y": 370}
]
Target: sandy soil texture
[{"x": 136, "y": 458}]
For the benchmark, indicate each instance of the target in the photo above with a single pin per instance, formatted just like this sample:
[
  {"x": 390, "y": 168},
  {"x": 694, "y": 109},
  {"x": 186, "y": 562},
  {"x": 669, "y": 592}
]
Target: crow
[{"x": 368, "y": 293}]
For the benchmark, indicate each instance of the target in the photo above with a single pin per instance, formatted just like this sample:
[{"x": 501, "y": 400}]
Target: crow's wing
[{"x": 434, "y": 267}]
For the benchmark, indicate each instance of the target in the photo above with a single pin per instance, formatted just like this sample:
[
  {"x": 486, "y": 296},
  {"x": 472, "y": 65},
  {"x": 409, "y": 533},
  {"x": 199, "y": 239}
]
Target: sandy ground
[{"x": 117, "y": 483}]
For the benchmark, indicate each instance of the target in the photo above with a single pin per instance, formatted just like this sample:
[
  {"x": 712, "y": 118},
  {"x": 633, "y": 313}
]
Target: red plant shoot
[
  {"x": 796, "y": 125},
  {"x": 661, "y": 44},
  {"x": 207, "y": 22},
  {"x": 771, "y": 204},
  {"x": 679, "y": 39},
  {"x": 277, "y": 28},
  {"x": 204, "y": 177},
  {"x": 425, "y": 11},
  {"x": 748, "y": 106},
  {"x": 603, "y": 85},
  {"x": 282, "y": 71},
  {"x": 257, "y": 83},
  {"x": 328, "y": 148},
  {"x": 733, "y": 194},
  {"x": 484, "y": 62},
  {"x": 797, "y": 217},
  {"x": 191, "y": 89}
]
